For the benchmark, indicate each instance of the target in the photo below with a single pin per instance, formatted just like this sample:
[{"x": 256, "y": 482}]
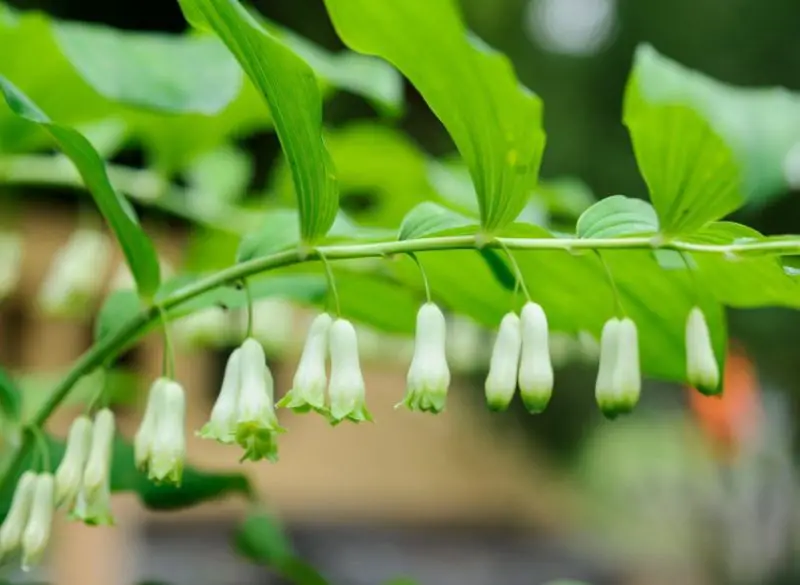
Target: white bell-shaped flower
[
  {"x": 69, "y": 475},
  {"x": 221, "y": 426},
  {"x": 346, "y": 390},
  {"x": 18, "y": 513},
  {"x": 310, "y": 380},
  {"x": 256, "y": 423},
  {"x": 702, "y": 370},
  {"x": 535, "y": 367},
  {"x": 168, "y": 448},
  {"x": 501, "y": 382},
  {"x": 143, "y": 440},
  {"x": 428, "y": 377},
  {"x": 40, "y": 520},
  {"x": 98, "y": 466},
  {"x": 76, "y": 272},
  {"x": 605, "y": 392},
  {"x": 627, "y": 377},
  {"x": 94, "y": 510}
]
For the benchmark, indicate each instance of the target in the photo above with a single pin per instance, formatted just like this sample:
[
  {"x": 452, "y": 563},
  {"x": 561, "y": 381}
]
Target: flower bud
[
  {"x": 94, "y": 511},
  {"x": 256, "y": 423},
  {"x": 346, "y": 389},
  {"x": 168, "y": 448},
  {"x": 308, "y": 386},
  {"x": 627, "y": 377},
  {"x": 37, "y": 529},
  {"x": 18, "y": 512},
  {"x": 605, "y": 393},
  {"x": 98, "y": 466},
  {"x": 501, "y": 383},
  {"x": 222, "y": 423},
  {"x": 69, "y": 474},
  {"x": 702, "y": 369},
  {"x": 535, "y": 369},
  {"x": 143, "y": 441},
  {"x": 428, "y": 377}
]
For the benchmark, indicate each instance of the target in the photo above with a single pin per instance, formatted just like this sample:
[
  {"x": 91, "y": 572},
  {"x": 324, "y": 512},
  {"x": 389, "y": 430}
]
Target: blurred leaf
[
  {"x": 364, "y": 298},
  {"x": 279, "y": 231},
  {"x": 218, "y": 177},
  {"x": 495, "y": 122},
  {"x": 401, "y": 581},
  {"x": 617, "y": 216},
  {"x": 10, "y": 399},
  {"x": 564, "y": 196},
  {"x": 137, "y": 247},
  {"x": 430, "y": 219},
  {"x": 152, "y": 70},
  {"x": 288, "y": 85},
  {"x": 260, "y": 539}
]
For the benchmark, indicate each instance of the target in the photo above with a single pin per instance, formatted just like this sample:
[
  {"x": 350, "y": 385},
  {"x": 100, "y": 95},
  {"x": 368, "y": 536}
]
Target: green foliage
[
  {"x": 617, "y": 216},
  {"x": 10, "y": 398}
]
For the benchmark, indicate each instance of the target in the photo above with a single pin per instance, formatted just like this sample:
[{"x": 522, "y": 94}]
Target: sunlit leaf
[
  {"x": 428, "y": 219},
  {"x": 617, "y": 216}
]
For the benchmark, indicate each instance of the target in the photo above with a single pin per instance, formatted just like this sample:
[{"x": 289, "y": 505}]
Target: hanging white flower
[
  {"x": 37, "y": 529},
  {"x": 256, "y": 424},
  {"x": 221, "y": 426},
  {"x": 94, "y": 510},
  {"x": 168, "y": 448},
  {"x": 501, "y": 383},
  {"x": 346, "y": 389},
  {"x": 143, "y": 440},
  {"x": 428, "y": 377},
  {"x": 69, "y": 475},
  {"x": 17, "y": 517},
  {"x": 605, "y": 392},
  {"x": 627, "y": 377},
  {"x": 76, "y": 272},
  {"x": 702, "y": 370},
  {"x": 535, "y": 368},
  {"x": 308, "y": 387},
  {"x": 98, "y": 466}
]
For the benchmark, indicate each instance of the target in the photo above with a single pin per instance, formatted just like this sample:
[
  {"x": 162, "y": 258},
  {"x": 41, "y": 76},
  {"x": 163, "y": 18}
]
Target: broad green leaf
[
  {"x": 260, "y": 539},
  {"x": 288, "y": 85},
  {"x": 137, "y": 247},
  {"x": 152, "y": 70},
  {"x": 617, "y": 216},
  {"x": 378, "y": 301},
  {"x": 429, "y": 219},
  {"x": 279, "y": 231},
  {"x": 494, "y": 121},
  {"x": 10, "y": 399},
  {"x": 706, "y": 147}
]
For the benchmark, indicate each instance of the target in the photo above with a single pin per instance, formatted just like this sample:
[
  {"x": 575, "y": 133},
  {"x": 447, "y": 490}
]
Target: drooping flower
[
  {"x": 98, "y": 466},
  {"x": 168, "y": 447},
  {"x": 346, "y": 389},
  {"x": 428, "y": 377},
  {"x": 256, "y": 424},
  {"x": 501, "y": 383},
  {"x": 143, "y": 440},
  {"x": 18, "y": 513},
  {"x": 40, "y": 520},
  {"x": 221, "y": 425},
  {"x": 69, "y": 475},
  {"x": 310, "y": 380},
  {"x": 627, "y": 378},
  {"x": 76, "y": 272},
  {"x": 535, "y": 368},
  {"x": 605, "y": 392},
  {"x": 94, "y": 511},
  {"x": 702, "y": 370}
]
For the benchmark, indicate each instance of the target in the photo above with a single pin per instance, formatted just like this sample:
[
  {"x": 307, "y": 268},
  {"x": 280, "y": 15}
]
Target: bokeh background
[{"x": 687, "y": 490}]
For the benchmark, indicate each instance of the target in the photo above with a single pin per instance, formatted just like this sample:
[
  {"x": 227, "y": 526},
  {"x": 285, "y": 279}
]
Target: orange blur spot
[{"x": 729, "y": 419}]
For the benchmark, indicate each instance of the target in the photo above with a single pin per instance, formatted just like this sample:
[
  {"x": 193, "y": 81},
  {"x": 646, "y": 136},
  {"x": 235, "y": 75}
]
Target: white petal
[
  {"x": 18, "y": 513},
  {"x": 98, "y": 466},
  {"x": 701, "y": 363},
  {"x": 501, "y": 383},
  {"x": 535, "y": 369},
  {"x": 37, "y": 530},
  {"x": 69, "y": 474}
]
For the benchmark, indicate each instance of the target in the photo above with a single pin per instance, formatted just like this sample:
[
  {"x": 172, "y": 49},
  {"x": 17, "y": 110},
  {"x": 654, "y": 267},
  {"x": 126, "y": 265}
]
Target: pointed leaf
[
  {"x": 494, "y": 121},
  {"x": 137, "y": 247},
  {"x": 429, "y": 219},
  {"x": 290, "y": 89},
  {"x": 617, "y": 216}
]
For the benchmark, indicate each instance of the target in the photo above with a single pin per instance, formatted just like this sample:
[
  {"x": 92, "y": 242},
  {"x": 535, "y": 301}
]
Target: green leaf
[
  {"x": 290, "y": 88},
  {"x": 10, "y": 398},
  {"x": 494, "y": 121},
  {"x": 364, "y": 298},
  {"x": 137, "y": 247},
  {"x": 279, "y": 231},
  {"x": 429, "y": 219},
  {"x": 260, "y": 539},
  {"x": 617, "y": 216},
  {"x": 152, "y": 70}
]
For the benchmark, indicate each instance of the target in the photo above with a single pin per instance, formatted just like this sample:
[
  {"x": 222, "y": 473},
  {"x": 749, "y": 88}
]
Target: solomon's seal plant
[{"x": 480, "y": 247}]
